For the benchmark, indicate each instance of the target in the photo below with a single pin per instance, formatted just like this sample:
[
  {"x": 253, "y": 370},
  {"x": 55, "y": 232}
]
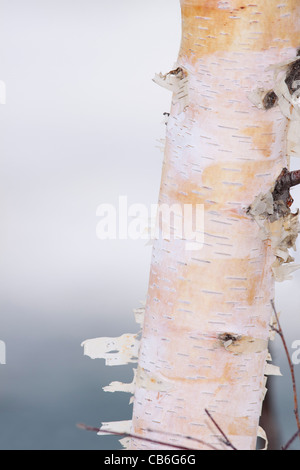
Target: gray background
[{"x": 80, "y": 127}]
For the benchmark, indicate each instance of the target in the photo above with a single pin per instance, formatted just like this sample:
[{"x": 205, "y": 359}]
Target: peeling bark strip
[
  {"x": 207, "y": 317},
  {"x": 177, "y": 82}
]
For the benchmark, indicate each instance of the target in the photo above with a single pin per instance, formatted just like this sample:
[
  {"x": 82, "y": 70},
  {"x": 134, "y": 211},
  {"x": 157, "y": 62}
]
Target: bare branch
[
  {"x": 153, "y": 441},
  {"x": 291, "y": 440},
  {"x": 225, "y": 438},
  {"x": 199, "y": 441},
  {"x": 291, "y": 366}
]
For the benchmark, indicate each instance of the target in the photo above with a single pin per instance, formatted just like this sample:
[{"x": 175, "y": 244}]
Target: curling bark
[{"x": 206, "y": 328}]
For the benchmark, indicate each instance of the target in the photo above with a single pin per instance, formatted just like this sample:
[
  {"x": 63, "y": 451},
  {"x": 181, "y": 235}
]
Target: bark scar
[
  {"x": 242, "y": 344},
  {"x": 227, "y": 339}
]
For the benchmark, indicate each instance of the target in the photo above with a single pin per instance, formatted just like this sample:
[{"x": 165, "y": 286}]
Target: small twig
[
  {"x": 291, "y": 440},
  {"x": 226, "y": 440},
  {"x": 291, "y": 366},
  {"x": 199, "y": 441},
  {"x": 135, "y": 436}
]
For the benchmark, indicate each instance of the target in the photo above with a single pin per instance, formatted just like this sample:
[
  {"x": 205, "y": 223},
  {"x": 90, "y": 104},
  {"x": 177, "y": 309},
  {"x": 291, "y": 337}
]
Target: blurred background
[{"x": 80, "y": 127}]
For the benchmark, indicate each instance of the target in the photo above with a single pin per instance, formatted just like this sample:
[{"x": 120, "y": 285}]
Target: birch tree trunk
[{"x": 206, "y": 328}]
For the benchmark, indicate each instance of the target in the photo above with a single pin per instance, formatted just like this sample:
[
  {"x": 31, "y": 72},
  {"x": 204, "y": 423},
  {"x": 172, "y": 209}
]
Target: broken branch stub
[
  {"x": 293, "y": 76},
  {"x": 286, "y": 180},
  {"x": 278, "y": 224}
]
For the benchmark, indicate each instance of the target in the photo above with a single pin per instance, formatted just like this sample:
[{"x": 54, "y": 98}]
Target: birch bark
[{"x": 206, "y": 328}]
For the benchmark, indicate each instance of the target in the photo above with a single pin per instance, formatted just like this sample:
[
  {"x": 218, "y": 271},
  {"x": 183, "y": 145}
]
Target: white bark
[{"x": 208, "y": 312}]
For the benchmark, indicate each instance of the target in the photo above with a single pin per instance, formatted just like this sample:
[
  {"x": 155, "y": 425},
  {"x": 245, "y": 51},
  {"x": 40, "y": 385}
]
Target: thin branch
[
  {"x": 291, "y": 366},
  {"x": 226, "y": 441},
  {"x": 291, "y": 440},
  {"x": 135, "y": 436},
  {"x": 199, "y": 441}
]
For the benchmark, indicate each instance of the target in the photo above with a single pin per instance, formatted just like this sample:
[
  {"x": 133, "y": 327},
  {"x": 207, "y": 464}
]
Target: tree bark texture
[{"x": 206, "y": 329}]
